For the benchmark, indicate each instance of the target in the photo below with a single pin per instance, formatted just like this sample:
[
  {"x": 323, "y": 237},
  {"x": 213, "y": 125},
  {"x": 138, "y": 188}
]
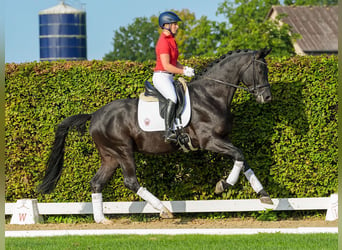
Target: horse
[{"x": 115, "y": 131}]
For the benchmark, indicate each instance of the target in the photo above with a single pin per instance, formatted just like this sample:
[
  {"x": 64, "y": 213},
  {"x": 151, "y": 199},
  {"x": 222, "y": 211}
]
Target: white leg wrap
[
  {"x": 234, "y": 174},
  {"x": 150, "y": 198},
  {"x": 97, "y": 207},
  {"x": 255, "y": 183}
]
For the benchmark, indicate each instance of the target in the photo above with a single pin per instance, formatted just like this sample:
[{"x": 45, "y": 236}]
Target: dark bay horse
[{"x": 115, "y": 131}]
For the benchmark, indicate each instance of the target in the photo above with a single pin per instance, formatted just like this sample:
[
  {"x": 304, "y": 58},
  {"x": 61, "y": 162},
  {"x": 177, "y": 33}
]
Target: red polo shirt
[{"x": 166, "y": 45}]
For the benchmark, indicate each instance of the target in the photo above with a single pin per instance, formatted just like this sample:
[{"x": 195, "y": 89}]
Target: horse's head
[{"x": 254, "y": 74}]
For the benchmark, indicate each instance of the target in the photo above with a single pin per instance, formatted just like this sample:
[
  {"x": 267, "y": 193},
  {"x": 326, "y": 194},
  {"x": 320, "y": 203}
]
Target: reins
[
  {"x": 240, "y": 75},
  {"x": 226, "y": 83}
]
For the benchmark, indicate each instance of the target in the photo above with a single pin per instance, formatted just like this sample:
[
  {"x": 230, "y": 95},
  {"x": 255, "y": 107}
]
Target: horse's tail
[{"x": 56, "y": 158}]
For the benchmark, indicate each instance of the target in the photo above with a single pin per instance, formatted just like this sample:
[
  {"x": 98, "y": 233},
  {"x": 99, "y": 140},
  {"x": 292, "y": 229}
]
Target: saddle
[
  {"x": 151, "y": 91},
  {"x": 151, "y": 94}
]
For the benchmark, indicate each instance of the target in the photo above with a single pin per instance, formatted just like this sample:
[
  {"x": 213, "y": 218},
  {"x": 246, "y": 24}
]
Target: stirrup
[{"x": 170, "y": 137}]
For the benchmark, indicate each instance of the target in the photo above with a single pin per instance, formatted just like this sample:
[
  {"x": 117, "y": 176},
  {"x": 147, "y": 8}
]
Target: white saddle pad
[{"x": 149, "y": 118}]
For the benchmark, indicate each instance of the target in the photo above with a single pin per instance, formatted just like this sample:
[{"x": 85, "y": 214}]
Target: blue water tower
[{"x": 62, "y": 33}]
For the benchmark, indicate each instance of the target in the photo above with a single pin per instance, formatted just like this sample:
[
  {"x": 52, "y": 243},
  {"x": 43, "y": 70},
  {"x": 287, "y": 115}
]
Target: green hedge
[{"x": 291, "y": 143}]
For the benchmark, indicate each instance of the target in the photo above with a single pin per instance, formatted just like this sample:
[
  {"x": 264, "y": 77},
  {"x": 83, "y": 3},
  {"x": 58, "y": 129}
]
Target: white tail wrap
[{"x": 150, "y": 198}]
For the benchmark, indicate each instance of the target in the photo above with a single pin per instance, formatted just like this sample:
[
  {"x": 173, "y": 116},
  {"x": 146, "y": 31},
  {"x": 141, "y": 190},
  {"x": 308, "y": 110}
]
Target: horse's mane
[{"x": 227, "y": 56}]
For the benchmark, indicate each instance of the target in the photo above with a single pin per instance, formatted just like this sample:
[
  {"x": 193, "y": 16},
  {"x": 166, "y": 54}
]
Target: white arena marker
[
  {"x": 26, "y": 212},
  {"x": 332, "y": 211}
]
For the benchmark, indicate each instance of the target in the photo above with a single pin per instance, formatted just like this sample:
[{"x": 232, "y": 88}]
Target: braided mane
[{"x": 227, "y": 56}]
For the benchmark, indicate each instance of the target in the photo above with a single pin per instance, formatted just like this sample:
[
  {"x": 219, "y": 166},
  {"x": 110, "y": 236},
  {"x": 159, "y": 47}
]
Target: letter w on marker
[{"x": 22, "y": 217}]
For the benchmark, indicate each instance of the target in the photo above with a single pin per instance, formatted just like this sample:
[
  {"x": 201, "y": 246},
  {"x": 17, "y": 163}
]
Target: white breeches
[{"x": 164, "y": 84}]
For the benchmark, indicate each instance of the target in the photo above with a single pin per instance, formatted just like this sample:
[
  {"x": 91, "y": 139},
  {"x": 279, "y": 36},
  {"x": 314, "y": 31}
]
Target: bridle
[{"x": 250, "y": 90}]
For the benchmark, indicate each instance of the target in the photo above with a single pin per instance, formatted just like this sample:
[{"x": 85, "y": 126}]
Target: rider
[{"x": 166, "y": 66}]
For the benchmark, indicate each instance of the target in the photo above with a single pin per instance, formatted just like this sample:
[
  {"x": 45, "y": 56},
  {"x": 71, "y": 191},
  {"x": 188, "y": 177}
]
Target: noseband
[{"x": 250, "y": 90}]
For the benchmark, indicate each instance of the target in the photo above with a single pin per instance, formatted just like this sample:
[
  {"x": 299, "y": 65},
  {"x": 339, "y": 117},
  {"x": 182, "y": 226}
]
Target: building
[{"x": 317, "y": 25}]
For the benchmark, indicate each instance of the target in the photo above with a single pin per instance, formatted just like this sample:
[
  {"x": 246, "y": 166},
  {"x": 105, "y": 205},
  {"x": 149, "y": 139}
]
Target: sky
[{"x": 103, "y": 18}]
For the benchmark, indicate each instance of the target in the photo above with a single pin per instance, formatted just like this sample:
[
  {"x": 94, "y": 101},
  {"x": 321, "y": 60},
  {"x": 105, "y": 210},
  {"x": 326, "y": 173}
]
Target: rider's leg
[
  {"x": 164, "y": 84},
  {"x": 170, "y": 135}
]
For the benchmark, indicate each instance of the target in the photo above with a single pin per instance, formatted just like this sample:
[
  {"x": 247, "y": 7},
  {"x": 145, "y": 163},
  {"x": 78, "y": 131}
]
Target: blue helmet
[{"x": 168, "y": 17}]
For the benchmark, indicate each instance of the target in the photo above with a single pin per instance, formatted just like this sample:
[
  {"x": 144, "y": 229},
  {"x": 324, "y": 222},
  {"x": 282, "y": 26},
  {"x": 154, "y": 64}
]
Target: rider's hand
[{"x": 187, "y": 71}]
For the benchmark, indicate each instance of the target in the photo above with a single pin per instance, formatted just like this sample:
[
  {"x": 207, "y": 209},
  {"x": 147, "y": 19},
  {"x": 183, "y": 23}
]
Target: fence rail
[{"x": 189, "y": 206}]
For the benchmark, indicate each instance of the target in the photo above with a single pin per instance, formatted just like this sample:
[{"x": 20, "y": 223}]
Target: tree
[
  {"x": 241, "y": 12},
  {"x": 248, "y": 27},
  {"x": 259, "y": 35},
  {"x": 195, "y": 37},
  {"x": 204, "y": 37},
  {"x": 136, "y": 42}
]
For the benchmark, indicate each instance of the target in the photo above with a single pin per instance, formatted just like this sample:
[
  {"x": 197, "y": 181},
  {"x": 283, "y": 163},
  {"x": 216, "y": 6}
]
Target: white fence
[{"x": 190, "y": 206}]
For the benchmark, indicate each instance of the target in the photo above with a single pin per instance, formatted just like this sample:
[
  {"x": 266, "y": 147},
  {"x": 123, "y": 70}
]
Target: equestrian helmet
[{"x": 167, "y": 18}]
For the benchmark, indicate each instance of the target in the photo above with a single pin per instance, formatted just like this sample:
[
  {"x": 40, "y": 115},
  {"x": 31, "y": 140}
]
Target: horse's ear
[{"x": 263, "y": 52}]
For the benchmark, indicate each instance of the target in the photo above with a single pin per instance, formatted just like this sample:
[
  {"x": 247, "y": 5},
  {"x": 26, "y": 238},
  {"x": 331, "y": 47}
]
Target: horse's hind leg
[
  {"x": 131, "y": 182},
  {"x": 103, "y": 175}
]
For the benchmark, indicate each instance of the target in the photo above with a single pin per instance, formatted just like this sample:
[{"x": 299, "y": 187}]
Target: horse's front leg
[
  {"x": 131, "y": 182},
  {"x": 155, "y": 203},
  {"x": 256, "y": 185},
  {"x": 240, "y": 164}
]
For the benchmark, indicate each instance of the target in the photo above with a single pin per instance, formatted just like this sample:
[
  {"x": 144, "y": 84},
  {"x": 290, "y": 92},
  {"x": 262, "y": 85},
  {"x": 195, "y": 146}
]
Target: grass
[{"x": 178, "y": 242}]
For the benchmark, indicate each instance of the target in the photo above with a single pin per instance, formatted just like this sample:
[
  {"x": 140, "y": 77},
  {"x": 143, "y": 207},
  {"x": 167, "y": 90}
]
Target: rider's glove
[{"x": 187, "y": 71}]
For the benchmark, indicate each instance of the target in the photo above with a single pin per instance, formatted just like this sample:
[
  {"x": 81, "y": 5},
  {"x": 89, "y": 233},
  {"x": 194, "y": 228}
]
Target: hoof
[
  {"x": 165, "y": 213},
  {"x": 266, "y": 200},
  {"x": 221, "y": 186},
  {"x": 106, "y": 222}
]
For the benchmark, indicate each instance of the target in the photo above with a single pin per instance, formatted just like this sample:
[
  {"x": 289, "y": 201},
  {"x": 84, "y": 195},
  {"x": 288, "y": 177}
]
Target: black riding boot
[{"x": 170, "y": 135}]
